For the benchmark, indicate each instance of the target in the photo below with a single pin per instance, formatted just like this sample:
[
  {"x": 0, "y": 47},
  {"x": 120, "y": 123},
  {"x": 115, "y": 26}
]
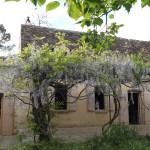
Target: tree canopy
[{"x": 4, "y": 37}]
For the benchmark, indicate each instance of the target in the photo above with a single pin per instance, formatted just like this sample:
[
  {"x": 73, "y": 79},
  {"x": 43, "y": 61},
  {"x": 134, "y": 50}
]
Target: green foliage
[
  {"x": 145, "y": 3},
  {"x": 34, "y": 128},
  {"x": 90, "y": 10},
  {"x": 4, "y": 36},
  {"x": 117, "y": 134},
  {"x": 54, "y": 144},
  {"x": 111, "y": 16},
  {"x": 96, "y": 8},
  {"x": 120, "y": 137},
  {"x": 21, "y": 135},
  {"x": 100, "y": 42},
  {"x": 40, "y": 71},
  {"x": 34, "y": 2},
  {"x": 94, "y": 13},
  {"x": 41, "y": 2},
  {"x": 46, "y": 57}
]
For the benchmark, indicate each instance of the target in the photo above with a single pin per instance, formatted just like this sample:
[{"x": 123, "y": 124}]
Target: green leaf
[
  {"x": 88, "y": 13},
  {"x": 111, "y": 16},
  {"x": 145, "y": 3},
  {"x": 86, "y": 10},
  {"x": 52, "y": 5},
  {"x": 74, "y": 12},
  {"x": 86, "y": 22},
  {"x": 120, "y": 25},
  {"x": 98, "y": 21},
  {"x": 127, "y": 6},
  {"x": 34, "y": 2},
  {"x": 79, "y": 22},
  {"x": 83, "y": 24},
  {"x": 41, "y": 2},
  {"x": 83, "y": 38}
]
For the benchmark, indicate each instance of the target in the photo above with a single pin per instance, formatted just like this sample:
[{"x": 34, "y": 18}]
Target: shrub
[
  {"x": 119, "y": 133},
  {"x": 119, "y": 136}
]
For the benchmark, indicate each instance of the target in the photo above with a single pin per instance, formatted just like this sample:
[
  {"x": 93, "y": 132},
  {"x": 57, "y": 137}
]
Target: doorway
[
  {"x": 0, "y": 113},
  {"x": 133, "y": 100},
  {"x": 6, "y": 115}
]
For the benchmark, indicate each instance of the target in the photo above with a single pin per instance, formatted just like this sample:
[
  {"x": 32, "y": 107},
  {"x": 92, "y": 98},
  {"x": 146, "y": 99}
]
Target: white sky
[{"x": 13, "y": 14}]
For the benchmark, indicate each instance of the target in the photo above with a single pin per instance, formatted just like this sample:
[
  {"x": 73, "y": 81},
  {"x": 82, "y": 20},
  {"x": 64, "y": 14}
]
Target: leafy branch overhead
[
  {"x": 89, "y": 8},
  {"x": 95, "y": 14}
]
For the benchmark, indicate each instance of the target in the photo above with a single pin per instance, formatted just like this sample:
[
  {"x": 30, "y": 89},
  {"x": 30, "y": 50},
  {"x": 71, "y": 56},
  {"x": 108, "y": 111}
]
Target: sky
[{"x": 13, "y": 14}]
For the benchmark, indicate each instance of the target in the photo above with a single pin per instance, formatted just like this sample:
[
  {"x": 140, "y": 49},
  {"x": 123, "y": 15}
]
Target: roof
[
  {"x": 29, "y": 34},
  {"x": 132, "y": 46}
]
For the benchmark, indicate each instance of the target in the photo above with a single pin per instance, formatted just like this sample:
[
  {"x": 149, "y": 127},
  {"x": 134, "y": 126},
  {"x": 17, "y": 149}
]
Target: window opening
[
  {"x": 61, "y": 97},
  {"x": 99, "y": 100},
  {"x": 0, "y": 106},
  {"x": 133, "y": 100}
]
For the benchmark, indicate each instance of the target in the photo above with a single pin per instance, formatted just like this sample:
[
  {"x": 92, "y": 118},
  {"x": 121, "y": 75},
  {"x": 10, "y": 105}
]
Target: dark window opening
[
  {"x": 61, "y": 97},
  {"x": 0, "y": 105},
  {"x": 99, "y": 100},
  {"x": 133, "y": 99}
]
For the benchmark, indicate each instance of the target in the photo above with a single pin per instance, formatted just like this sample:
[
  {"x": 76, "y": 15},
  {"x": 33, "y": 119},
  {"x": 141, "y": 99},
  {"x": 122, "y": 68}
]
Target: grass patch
[{"x": 121, "y": 137}]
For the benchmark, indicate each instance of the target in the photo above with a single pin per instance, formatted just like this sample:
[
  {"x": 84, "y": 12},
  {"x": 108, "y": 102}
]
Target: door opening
[
  {"x": 1, "y": 113},
  {"x": 133, "y": 100}
]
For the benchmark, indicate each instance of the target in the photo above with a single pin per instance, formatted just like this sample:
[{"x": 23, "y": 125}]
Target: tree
[
  {"x": 40, "y": 18},
  {"x": 33, "y": 76},
  {"x": 4, "y": 37},
  {"x": 110, "y": 70},
  {"x": 37, "y": 72}
]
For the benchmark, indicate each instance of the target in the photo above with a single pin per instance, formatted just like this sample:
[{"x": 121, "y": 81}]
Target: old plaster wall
[
  {"x": 20, "y": 115},
  {"x": 82, "y": 117}
]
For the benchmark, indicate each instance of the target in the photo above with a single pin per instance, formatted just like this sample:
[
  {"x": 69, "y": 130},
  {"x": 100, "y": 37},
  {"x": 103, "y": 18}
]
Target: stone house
[{"x": 94, "y": 111}]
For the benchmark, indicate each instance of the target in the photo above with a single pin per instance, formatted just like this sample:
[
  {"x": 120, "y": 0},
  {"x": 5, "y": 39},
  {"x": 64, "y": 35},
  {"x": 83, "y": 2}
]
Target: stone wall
[{"x": 20, "y": 116}]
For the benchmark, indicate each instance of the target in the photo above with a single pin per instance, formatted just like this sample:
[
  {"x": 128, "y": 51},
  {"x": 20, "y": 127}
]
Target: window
[
  {"x": 96, "y": 99},
  {"x": 133, "y": 100},
  {"x": 61, "y": 97},
  {"x": 99, "y": 100}
]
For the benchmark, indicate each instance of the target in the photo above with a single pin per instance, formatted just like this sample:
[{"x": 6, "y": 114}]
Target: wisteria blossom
[{"x": 32, "y": 76}]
